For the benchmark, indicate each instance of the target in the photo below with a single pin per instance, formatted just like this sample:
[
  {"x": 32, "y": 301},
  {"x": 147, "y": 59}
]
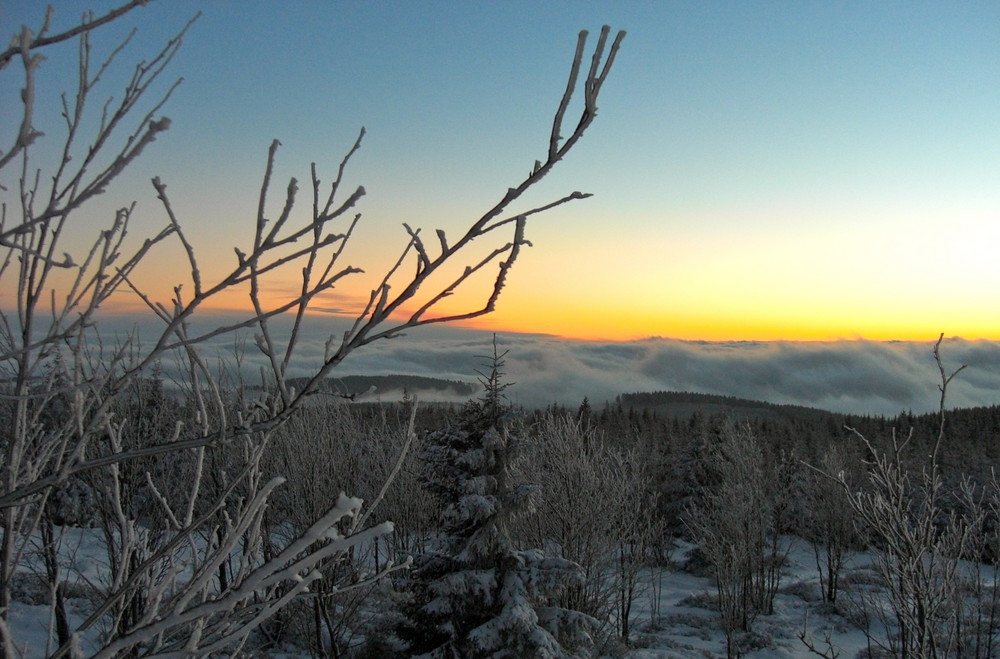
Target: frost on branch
[{"x": 180, "y": 488}]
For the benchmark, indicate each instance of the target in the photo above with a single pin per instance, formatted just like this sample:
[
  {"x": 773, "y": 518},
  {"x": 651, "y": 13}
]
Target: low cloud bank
[
  {"x": 844, "y": 376},
  {"x": 856, "y": 376}
]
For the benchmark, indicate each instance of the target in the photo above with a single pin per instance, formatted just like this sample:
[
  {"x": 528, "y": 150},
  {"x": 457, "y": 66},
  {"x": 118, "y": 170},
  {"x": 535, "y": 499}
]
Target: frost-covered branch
[{"x": 174, "y": 470}]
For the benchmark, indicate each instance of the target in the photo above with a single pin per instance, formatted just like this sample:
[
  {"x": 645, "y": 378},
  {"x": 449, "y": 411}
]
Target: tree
[
  {"x": 476, "y": 595},
  {"x": 737, "y": 526},
  {"x": 930, "y": 604},
  {"x": 596, "y": 507},
  {"x": 323, "y": 450},
  {"x": 53, "y": 353},
  {"x": 828, "y": 521}
]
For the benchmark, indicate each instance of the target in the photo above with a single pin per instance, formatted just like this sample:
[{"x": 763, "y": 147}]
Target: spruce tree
[{"x": 477, "y": 595}]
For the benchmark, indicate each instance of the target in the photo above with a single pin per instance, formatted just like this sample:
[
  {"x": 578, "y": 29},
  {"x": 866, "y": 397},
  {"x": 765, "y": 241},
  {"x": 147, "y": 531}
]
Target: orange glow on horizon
[
  {"x": 720, "y": 306},
  {"x": 727, "y": 333},
  {"x": 567, "y": 322}
]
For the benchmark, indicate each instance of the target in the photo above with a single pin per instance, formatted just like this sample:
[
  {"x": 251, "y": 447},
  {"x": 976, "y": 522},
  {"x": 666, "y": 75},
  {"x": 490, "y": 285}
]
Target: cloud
[{"x": 864, "y": 377}]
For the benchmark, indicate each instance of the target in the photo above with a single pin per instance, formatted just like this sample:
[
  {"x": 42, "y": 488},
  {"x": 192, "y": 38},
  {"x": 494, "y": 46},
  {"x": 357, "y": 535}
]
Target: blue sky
[{"x": 761, "y": 170}]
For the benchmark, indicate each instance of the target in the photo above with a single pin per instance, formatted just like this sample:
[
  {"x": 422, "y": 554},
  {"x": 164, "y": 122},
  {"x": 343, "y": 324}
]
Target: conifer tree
[{"x": 476, "y": 595}]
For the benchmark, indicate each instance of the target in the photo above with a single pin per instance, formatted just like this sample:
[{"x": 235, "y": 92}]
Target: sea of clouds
[{"x": 855, "y": 376}]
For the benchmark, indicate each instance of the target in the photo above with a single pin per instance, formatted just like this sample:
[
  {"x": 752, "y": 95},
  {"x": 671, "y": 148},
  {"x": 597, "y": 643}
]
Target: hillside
[
  {"x": 684, "y": 405},
  {"x": 393, "y": 387},
  {"x": 971, "y": 441}
]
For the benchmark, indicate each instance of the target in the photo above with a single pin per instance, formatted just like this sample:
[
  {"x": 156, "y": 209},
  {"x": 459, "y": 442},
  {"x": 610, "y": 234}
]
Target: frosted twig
[
  {"x": 943, "y": 388},
  {"x": 239, "y": 577},
  {"x": 411, "y": 435},
  {"x": 87, "y": 26}
]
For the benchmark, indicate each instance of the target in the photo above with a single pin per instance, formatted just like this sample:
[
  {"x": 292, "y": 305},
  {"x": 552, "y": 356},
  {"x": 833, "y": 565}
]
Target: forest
[{"x": 538, "y": 532}]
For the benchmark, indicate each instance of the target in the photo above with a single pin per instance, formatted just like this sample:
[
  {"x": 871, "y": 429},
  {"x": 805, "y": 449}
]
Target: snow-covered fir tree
[{"x": 478, "y": 596}]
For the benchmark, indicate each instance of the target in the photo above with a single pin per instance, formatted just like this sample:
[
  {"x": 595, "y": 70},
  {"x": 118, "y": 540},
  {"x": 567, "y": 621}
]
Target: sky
[
  {"x": 760, "y": 170},
  {"x": 789, "y": 198}
]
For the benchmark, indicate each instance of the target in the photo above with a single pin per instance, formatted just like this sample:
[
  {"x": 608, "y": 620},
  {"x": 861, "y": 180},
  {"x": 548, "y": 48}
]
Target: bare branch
[
  {"x": 219, "y": 516},
  {"x": 943, "y": 388},
  {"x": 27, "y": 134},
  {"x": 42, "y": 41}
]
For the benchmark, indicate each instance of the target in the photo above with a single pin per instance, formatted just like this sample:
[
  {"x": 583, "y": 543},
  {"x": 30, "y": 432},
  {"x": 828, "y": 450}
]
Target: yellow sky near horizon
[{"x": 704, "y": 295}]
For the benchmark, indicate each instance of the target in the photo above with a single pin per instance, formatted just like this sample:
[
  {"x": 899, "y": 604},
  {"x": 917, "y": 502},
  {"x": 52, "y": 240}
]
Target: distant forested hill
[
  {"x": 412, "y": 384},
  {"x": 971, "y": 440},
  {"x": 684, "y": 404}
]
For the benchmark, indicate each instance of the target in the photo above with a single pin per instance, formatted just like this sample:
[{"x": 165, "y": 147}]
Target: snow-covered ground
[
  {"x": 672, "y": 618},
  {"x": 30, "y": 619},
  {"x": 674, "y": 621}
]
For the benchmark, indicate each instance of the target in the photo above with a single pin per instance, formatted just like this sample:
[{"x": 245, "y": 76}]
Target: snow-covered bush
[
  {"x": 737, "y": 526},
  {"x": 827, "y": 521},
  {"x": 597, "y": 507},
  {"x": 933, "y": 596},
  {"x": 323, "y": 450}
]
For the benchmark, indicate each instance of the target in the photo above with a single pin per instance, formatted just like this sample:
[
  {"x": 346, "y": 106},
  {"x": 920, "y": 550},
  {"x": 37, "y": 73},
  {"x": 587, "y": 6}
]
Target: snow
[
  {"x": 30, "y": 621},
  {"x": 684, "y": 628},
  {"x": 671, "y": 618}
]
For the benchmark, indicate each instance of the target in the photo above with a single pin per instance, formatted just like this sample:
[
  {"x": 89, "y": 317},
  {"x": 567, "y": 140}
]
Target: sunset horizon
[
  {"x": 759, "y": 173},
  {"x": 572, "y": 323},
  {"x": 698, "y": 332}
]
